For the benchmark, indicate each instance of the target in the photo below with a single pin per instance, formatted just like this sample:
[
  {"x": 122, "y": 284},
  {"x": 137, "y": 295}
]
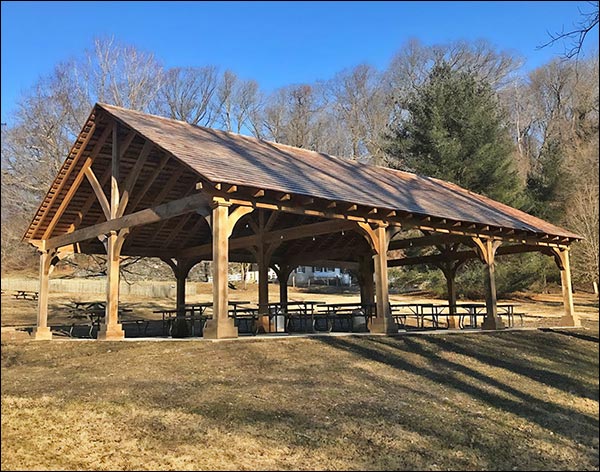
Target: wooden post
[
  {"x": 180, "y": 329},
  {"x": 111, "y": 330},
  {"x": 284, "y": 274},
  {"x": 365, "y": 280},
  {"x": 221, "y": 325},
  {"x": 263, "y": 280},
  {"x": 383, "y": 322},
  {"x": 42, "y": 331},
  {"x": 487, "y": 252},
  {"x": 449, "y": 269},
  {"x": 561, "y": 257},
  {"x": 181, "y": 268}
]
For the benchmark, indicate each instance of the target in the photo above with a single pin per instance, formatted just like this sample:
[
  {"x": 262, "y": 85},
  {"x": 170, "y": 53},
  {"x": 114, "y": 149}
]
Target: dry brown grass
[
  {"x": 502, "y": 401},
  {"x": 469, "y": 401}
]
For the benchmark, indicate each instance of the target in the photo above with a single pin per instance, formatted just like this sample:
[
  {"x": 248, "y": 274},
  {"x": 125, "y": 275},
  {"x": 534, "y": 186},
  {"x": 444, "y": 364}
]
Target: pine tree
[
  {"x": 454, "y": 130},
  {"x": 547, "y": 183}
]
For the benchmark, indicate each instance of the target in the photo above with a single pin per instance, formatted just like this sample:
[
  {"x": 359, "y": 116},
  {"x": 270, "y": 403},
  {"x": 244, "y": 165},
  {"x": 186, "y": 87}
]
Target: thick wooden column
[
  {"x": 263, "y": 280},
  {"x": 365, "y": 280},
  {"x": 449, "y": 269},
  {"x": 487, "y": 252},
  {"x": 181, "y": 269},
  {"x": 180, "y": 294},
  {"x": 221, "y": 325},
  {"x": 111, "y": 330},
  {"x": 282, "y": 276},
  {"x": 42, "y": 331},
  {"x": 561, "y": 257},
  {"x": 378, "y": 238}
]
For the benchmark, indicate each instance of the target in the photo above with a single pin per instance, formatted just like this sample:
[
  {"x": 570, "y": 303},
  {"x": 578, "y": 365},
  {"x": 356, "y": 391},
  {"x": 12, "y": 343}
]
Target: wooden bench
[{"x": 25, "y": 295}]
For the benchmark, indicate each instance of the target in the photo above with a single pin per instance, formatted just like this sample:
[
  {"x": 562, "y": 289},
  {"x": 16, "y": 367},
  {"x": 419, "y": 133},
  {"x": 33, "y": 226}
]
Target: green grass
[{"x": 501, "y": 401}]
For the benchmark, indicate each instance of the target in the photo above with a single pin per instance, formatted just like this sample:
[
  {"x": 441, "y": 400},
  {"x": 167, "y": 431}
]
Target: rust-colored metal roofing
[
  {"x": 244, "y": 161},
  {"x": 236, "y": 159}
]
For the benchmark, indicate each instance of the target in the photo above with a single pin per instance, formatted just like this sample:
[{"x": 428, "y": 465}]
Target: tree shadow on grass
[
  {"x": 573, "y": 334},
  {"x": 563, "y": 421}
]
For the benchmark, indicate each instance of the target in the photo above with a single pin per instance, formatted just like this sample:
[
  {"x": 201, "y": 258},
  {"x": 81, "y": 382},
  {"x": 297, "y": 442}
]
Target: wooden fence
[{"x": 151, "y": 289}]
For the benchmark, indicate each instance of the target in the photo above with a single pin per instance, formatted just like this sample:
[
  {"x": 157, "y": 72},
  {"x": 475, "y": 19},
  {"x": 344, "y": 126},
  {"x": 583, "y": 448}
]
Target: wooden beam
[
  {"x": 133, "y": 175},
  {"x": 282, "y": 235},
  {"x": 431, "y": 240},
  {"x": 114, "y": 177},
  {"x": 167, "y": 222},
  {"x": 150, "y": 181},
  {"x": 168, "y": 186},
  {"x": 142, "y": 217},
  {"x": 126, "y": 142},
  {"x": 76, "y": 183},
  {"x": 98, "y": 191},
  {"x": 465, "y": 255},
  {"x": 76, "y": 154},
  {"x": 89, "y": 202}
]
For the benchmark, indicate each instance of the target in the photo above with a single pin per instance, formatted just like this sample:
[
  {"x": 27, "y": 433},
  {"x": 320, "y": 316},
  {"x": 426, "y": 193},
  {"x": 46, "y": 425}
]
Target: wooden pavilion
[{"x": 140, "y": 185}]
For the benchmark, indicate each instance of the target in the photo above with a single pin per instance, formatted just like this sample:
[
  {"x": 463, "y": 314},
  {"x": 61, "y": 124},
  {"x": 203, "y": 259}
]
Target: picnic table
[
  {"x": 292, "y": 316},
  {"x": 195, "y": 314},
  {"x": 473, "y": 311},
  {"x": 348, "y": 316},
  {"x": 421, "y": 312},
  {"x": 95, "y": 312},
  {"x": 246, "y": 319},
  {"x": 25, "y": 295}
]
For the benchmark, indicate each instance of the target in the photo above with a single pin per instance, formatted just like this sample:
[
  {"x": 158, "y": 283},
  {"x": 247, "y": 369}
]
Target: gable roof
[
  {"x": 223, "y": 157},
  {"x": 236, "y": 159}
]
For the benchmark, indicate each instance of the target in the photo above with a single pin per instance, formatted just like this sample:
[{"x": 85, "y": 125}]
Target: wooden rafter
[
  {"x": 168, "y": 186},
  {"x": 133, "y": 176},
  {"x": 98, "y": 191},
  {"x": 151, "y": 179},
  {"x": 78, "y": 179}
]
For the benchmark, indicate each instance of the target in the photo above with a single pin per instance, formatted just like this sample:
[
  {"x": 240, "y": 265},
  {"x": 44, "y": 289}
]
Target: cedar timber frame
[{"x": 158, "y": 207}]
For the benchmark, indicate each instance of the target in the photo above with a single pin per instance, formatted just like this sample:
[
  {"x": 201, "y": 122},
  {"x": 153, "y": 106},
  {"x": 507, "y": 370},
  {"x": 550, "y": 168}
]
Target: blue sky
[{"x": 275, "y": 43}]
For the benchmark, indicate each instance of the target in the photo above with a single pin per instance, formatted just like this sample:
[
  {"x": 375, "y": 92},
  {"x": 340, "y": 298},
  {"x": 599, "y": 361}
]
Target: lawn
[{"x": 468, "y": 401}]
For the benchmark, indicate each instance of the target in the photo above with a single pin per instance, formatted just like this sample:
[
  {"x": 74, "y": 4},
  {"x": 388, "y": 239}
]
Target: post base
[
  {"x": 492, "y": 323},
  {"x": 111, "y": 332},
  {"x": 42, "y": 333},
  {"x": 573, "y": 321},
  {"x": 383, "y": 326},
  {"x": 223, "y": 330}
]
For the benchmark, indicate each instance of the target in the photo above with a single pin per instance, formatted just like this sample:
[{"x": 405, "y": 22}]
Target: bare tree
[
  {"x": 576, "y": 36},
  {"x": 291, "y": 116},
  {"x": 49, "y": 117},
  {"x": 188, "y": 94},
  {"x": 363, "y": 108},
  {"x": 122, "y": 75},
  {"x": 239, "y": 104}
]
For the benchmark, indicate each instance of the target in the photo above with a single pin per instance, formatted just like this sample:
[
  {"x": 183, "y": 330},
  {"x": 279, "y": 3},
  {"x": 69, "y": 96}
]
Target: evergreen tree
[
  {"x": 546, "y": 184},
  {"x": 454, "y": 130}
]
